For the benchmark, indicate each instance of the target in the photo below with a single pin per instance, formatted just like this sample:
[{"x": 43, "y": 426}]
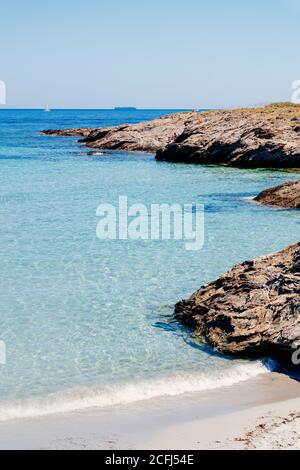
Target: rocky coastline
[
  {"x": 255, "y": 307},
  {"x": 143, "y": 137},
  {"x": 267, "y": 137}
]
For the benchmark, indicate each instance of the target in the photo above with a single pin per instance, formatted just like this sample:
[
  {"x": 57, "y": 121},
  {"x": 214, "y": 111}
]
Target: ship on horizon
[{"x": 125, "y": 108}]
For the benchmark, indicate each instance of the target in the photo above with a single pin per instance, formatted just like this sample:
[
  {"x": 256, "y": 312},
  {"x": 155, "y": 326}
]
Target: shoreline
[
  {"x": 187, "y": 421},
  {"x": 84, "y": 398}
]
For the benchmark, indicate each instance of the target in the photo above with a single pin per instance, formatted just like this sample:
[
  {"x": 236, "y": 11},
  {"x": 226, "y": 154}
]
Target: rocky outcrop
[
  {"x": 248, "y": 138},
  {"x": 263, "y": 137},
  {"x": 78, "y": 132},
  {"x": 286, "y": 195},
  {"x": 253, "y": 308},
  {"x": 144, "y": 137}
]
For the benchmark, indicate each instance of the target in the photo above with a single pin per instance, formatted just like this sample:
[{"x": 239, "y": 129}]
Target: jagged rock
[
  {"x": 286, "y": 195},
  {"x": 265, "y": 137},
  {"x": 253, "y": 308}
]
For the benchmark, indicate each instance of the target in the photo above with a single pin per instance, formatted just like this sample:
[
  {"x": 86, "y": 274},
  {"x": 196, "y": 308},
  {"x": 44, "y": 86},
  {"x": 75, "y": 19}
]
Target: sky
[{"x": 148, "y": 53}]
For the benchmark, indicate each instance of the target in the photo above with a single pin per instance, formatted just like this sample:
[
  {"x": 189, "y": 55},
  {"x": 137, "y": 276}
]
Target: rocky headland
[
  {"x": 250, "y": 137},
  {"x": 143, "y": 137},
  {"x": 253, "y": 308},
  {"x": 285, "y": 195}
]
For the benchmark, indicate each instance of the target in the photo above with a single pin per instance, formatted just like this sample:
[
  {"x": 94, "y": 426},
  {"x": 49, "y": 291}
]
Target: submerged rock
[
  {"x": 286, "y": 195},
  {"x": 253, "y": 308},
  {"x": 96, "y": 153}
]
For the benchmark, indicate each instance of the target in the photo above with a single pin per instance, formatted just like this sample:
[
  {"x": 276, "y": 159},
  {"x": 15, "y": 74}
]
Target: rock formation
[
  {"x": 286, "y": 195},
  {"x": 254, "y": 137},
  {"x": 248, "y": 138},
  {"x": 253, "y": 308},
  {"x": 77, "y": 132},
  {"x": 144, "y": 137}
]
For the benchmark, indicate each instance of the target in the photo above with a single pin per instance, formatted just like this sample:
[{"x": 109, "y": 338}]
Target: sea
[{"x": 87, "y": 322}]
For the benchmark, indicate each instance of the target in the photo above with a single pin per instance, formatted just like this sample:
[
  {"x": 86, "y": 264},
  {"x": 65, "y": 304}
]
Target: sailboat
[{"x": 47, "y": 109}]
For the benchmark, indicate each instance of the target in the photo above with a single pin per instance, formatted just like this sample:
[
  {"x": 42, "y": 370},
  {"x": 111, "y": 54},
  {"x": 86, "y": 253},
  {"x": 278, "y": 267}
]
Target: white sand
[
  {"x": 274, "y": 426},
  {"x": 261, "y": 413}
]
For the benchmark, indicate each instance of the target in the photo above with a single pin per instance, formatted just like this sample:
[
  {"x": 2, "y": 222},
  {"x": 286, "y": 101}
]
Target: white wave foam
[{"x": 117, "y": 394}]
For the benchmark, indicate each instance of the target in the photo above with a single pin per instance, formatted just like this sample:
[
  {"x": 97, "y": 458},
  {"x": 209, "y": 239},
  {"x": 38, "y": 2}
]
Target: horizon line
[{"x": 104, "y": 109}]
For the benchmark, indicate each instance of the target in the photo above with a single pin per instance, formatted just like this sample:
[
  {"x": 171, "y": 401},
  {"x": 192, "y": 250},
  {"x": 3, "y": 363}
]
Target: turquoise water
[{"x": 89, "y": 322}]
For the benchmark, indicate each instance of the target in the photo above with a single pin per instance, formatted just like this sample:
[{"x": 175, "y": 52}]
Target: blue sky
[{"x": 150, "y": 54}]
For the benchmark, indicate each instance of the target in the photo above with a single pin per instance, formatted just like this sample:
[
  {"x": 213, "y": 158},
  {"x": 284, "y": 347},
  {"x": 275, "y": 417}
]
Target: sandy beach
[
  {"x": 262, "y": 413},
  {"x": 272, "y": 426}
]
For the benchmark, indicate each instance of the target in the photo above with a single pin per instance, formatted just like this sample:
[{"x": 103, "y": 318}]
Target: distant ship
[
  {"x": 47, "y": 109},
  {"x": 126, "y": 108}
]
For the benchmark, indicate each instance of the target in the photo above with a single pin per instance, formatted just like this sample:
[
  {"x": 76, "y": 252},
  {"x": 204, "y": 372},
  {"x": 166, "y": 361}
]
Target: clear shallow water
[{"x": 89, "y": 322}]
